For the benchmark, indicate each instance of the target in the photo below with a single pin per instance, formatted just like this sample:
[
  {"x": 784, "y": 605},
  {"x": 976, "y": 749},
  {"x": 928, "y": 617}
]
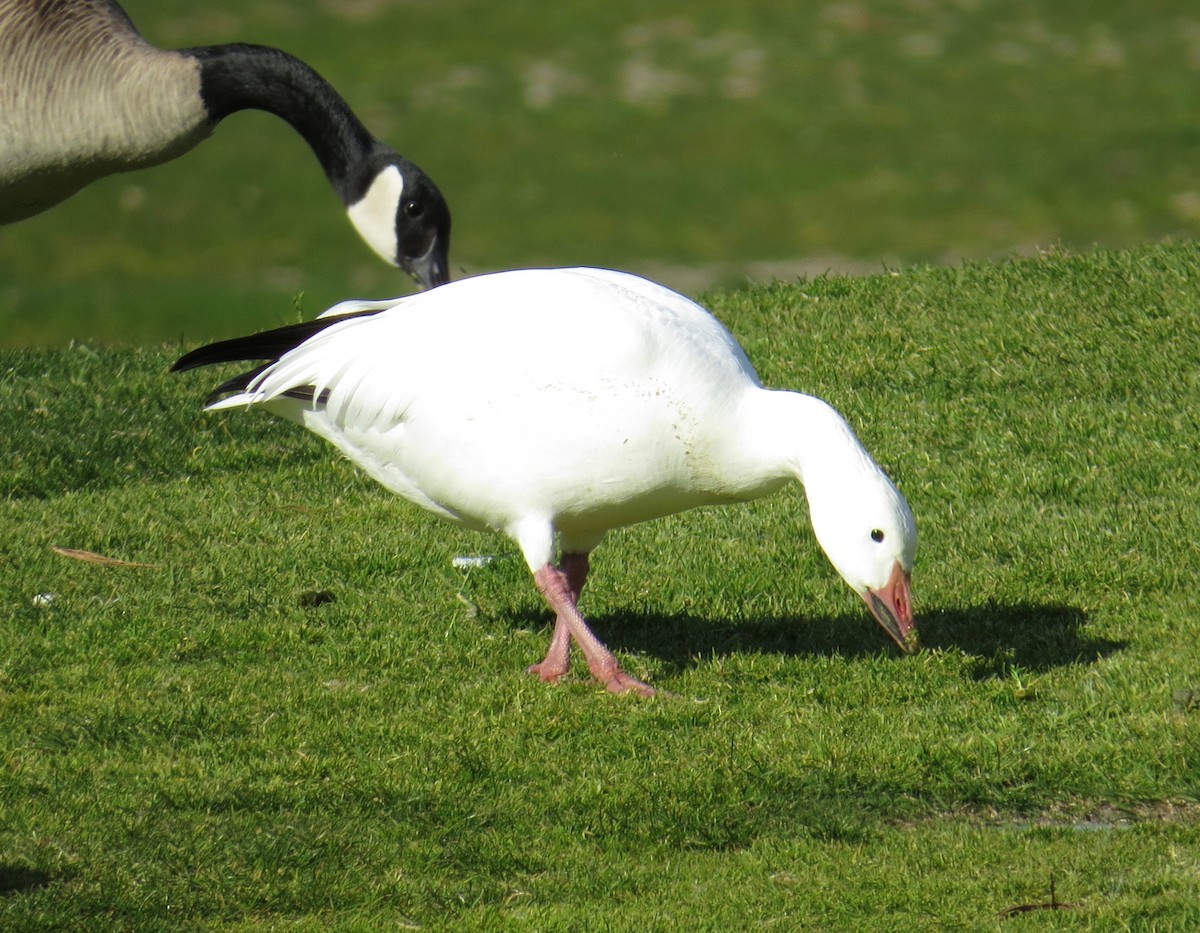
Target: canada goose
[
  {"x": 583, "y": 400},
  {"x": 83, "y": 95}
]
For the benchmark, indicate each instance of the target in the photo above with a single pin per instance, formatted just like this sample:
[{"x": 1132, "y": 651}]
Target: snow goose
[
  {"x": 560, "y": 403},
  {"x": 83, "y": 95}
]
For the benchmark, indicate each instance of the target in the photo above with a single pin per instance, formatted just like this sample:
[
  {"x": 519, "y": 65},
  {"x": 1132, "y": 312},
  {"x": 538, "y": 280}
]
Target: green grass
[
  {"x": 194, "y": 745},
  {"x": 691, "y": 141}
]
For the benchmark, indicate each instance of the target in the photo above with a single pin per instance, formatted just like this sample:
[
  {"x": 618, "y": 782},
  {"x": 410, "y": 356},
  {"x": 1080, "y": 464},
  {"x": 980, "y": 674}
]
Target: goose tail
[{"x": 269, "y": 345}]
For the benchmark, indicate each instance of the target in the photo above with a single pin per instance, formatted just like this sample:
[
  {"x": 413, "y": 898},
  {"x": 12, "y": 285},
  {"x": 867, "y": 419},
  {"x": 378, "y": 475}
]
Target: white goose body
[
  {"x": 83, "y": 96},
  {"x": 621, "y": 429},
  {"x": 566, "y": 402}
]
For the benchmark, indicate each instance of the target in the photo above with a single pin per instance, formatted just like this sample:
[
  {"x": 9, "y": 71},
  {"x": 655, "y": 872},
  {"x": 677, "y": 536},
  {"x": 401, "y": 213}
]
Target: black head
[
  {"x": 423, "y": 229},
  {"x": 404, "y": 218}
]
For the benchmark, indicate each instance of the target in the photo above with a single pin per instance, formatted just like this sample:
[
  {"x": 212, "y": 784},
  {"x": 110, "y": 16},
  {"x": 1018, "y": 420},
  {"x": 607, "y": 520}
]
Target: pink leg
[
  {"x": 561, "y": 590},
  {"x": 558, "y": 658},
  {"x": 575, "y": 566}
]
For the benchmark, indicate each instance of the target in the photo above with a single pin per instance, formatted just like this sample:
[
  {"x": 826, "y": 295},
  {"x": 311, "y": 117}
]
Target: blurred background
[{"x": 705, "y": 144}]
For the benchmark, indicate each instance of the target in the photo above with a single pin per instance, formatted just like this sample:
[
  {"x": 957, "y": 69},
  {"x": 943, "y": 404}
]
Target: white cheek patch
[{"x": 374, "y": 217}]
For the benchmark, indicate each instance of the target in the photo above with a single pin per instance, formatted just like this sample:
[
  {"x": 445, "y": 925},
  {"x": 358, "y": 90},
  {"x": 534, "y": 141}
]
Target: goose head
[
  {"x": 399, "y": 212},
  {"x": 867, "y": 531},
  {"x": 859, "y": 517}
]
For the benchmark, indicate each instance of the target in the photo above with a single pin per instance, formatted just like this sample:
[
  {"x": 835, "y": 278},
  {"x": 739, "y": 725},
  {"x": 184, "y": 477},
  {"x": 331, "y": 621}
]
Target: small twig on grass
[
  {"x": 1053, "y": 904},
  {"x": 91, "y": 557}
]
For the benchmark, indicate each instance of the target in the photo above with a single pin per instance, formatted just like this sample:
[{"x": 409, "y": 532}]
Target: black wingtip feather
[
  {"x": 232, "y": 386},
  {"x": 268, "y": 345}
]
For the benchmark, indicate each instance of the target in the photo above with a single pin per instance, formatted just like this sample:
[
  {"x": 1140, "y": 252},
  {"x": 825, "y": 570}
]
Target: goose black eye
[
  {"x": 877, "y": 535},
  {"x": 413, "y": 209}
]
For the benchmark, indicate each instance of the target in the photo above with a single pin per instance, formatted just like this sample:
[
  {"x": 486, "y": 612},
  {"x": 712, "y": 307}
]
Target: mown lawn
[{"x": 209, "y": 741}]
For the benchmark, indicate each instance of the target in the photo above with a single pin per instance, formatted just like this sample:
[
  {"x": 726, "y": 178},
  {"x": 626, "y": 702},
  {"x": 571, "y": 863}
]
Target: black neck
[{"x": 254, "y": 77}]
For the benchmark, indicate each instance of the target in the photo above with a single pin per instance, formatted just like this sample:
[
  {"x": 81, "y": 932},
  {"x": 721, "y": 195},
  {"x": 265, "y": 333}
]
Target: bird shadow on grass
[
  {"x": 999, "y": 638},
  {"x": 1031, "y": 636},
  {"x": 17, "y": 879}
]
